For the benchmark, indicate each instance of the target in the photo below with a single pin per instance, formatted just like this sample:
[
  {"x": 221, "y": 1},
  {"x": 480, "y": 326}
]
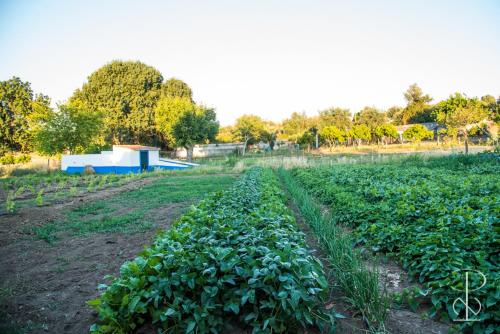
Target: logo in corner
[{"x": 472, "y": 304}]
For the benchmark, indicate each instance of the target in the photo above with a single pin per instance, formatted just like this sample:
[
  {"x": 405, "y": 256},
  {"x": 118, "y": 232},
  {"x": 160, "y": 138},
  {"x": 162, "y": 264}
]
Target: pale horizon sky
[{"x": 268, "y": 58}]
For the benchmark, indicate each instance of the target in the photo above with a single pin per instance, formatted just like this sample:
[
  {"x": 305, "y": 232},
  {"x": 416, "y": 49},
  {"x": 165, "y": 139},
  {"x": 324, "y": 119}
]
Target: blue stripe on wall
[{"x": 120, "y": 169}]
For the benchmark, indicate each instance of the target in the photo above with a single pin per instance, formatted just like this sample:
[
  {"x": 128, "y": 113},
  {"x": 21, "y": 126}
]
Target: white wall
[
  {"x": 79, "y": 160},
  {"x": 208, "y": 150},
  {"x": 119, "y": 157}
]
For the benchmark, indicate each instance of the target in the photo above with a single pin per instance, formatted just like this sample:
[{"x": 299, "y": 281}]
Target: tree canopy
[
  {"x": 69, "y": 129},
  {"x": 339, "y": 117},
  {"x": 417, "y": 109},
  {"x": 360, "y": 132},
  {"x": 295, "y": 126},
  {"x": 417, "y": 133},
  {"x": 332, "y": 135},
  {"x": 176, "y": 88},
  {"x": 126, "y": 93},
  {"x": 386, "y": 131},
  {"x": 167, "y": 113},
  {"x": 248, "y": 129},
  {"x": 20, "y": 112},
  {"x": 196, "y": 126},
  {"x": 371, "y": 117}
]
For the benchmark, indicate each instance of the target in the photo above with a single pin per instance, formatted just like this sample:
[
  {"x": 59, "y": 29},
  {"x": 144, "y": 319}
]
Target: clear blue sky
[{"x": 263, "y": 57}]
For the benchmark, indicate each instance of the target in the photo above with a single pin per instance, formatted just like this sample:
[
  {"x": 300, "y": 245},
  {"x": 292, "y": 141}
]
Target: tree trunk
[
  {"x": 189, "y": 150},
  {"x": 245, "y": 146},
  {"x": 48, "y": 164},
  {"x": 317, "y": 140},
  {"x": 466, "y": 142}
]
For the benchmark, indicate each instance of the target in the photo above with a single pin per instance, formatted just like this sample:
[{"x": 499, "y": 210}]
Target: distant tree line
[
  {"x": 129, "y": 102},
  {"x": 457, "y": 115}
]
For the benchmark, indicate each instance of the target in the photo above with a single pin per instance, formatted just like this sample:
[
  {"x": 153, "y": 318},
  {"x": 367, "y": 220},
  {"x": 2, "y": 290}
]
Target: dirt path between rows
[
  {"x": 43, "y": 287},
  {"x": 391, "y": 276}
]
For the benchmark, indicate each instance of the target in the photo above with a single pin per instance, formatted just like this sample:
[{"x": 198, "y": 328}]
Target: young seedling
[
  {"x": 39, "y": 198},
  {"x": 10, "y": 204}
]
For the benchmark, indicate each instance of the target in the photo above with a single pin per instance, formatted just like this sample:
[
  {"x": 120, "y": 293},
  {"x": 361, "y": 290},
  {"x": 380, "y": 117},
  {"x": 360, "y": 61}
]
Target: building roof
[{"x": 138, "y": 147}]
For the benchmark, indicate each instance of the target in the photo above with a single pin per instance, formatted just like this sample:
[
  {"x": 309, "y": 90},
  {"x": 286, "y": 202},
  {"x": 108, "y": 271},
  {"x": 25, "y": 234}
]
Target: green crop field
[
  {"x": 437, "y": 218},
  {"x": 271, "y": 244}
]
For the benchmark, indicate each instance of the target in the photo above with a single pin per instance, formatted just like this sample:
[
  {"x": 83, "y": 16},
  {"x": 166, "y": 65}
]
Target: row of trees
[
  {"x": 127, "y": 102},
  {"x": 457, "y": 115},
  {"x": 121, "y": 103}
]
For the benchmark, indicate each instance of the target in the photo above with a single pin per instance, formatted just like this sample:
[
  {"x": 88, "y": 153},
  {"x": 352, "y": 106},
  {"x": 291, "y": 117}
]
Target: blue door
[{"x": 144, "y": 160}]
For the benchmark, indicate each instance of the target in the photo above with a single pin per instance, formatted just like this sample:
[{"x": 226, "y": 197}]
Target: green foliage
[
  {"x": 70, "y": 129},
  {"x": 360, "y": 132},
  {"x": 197, "y": 126},
  {"x": 417, "y": 133},
  {"x": 126, "y": 93},
  {"x": 459, "y": 111},
  {"x": 341, "y": 118},
  {"x": 295, "y": 126},
  {"x": 417, "y": 109},
  {"x": 167, "y": 113},
  {"x": 10, "y": 159},
  {"x": 20, "y": 110},
  {"x": 39, "y": 198},
  {"x": 437, "y": 217},
  {"x": 371, "y": 117},
  {"x": 307, "y": 139},
  {"x": 176, "y": 88},
  {"x": 10, "y": 204},
  {"x": 386, "y": 131},
  {"x": 237, "y": 255},
  {"x": 332, "y": 135},
  {"x": 360, "y": 284},
  {"x": 249, "y": 129},
  {"x": 225, "y": 134}
]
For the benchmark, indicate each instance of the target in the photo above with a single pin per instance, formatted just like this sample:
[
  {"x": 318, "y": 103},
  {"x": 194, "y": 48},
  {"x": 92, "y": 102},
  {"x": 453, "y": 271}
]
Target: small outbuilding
[{"x": 122, "y": 159}]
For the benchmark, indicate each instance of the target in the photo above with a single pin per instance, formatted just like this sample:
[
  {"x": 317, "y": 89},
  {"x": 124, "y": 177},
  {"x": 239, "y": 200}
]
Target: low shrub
[{"x": 10, "y": 159}]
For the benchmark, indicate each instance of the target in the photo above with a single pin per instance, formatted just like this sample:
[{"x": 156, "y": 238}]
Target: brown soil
[{"x": 47, "y": 286}]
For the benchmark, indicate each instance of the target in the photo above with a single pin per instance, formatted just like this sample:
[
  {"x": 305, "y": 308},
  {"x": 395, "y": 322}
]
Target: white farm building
[{"x": 122, "y": 159}]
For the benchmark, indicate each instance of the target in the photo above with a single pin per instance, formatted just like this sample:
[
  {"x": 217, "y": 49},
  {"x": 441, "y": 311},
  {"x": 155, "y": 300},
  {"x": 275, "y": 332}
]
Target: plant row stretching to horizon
[
  {"x": 127, "y": 102},
  {"x": 439, "y": 218},
  {"x": 235, "y": 257}
]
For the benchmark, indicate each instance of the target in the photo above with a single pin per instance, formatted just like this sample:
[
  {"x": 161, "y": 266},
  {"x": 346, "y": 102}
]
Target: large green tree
[
  {"x": 176, "y": 88},
  {"x": 359, "y": 133},
  {"x": 459, "y": 112},
  {"x": 332, "y": 135},
  {"x": 167, "y": 113},
  {"x": 249, "y": 129},
  {"x": 69, "y": 130},
  {"x": 20, "y": 112},
  {"x": 416, "y": 133},
  {"x": 339, "y": 117},
  {"x": 295, "y": 126},
  {"x": 126, "y": 93},
  {"x": 371, "y": 117},
  {"x": 197, "y": 126},
  {"x": 385, "y": 132},
  {"x": 418, "y": 109}
]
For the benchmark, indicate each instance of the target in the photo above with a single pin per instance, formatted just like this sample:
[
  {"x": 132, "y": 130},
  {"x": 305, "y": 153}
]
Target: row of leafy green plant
[
  {"x": 360, "y": 285},
  {"x": 439, "y": 218},
  {"x": 237, "y": 257}
]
